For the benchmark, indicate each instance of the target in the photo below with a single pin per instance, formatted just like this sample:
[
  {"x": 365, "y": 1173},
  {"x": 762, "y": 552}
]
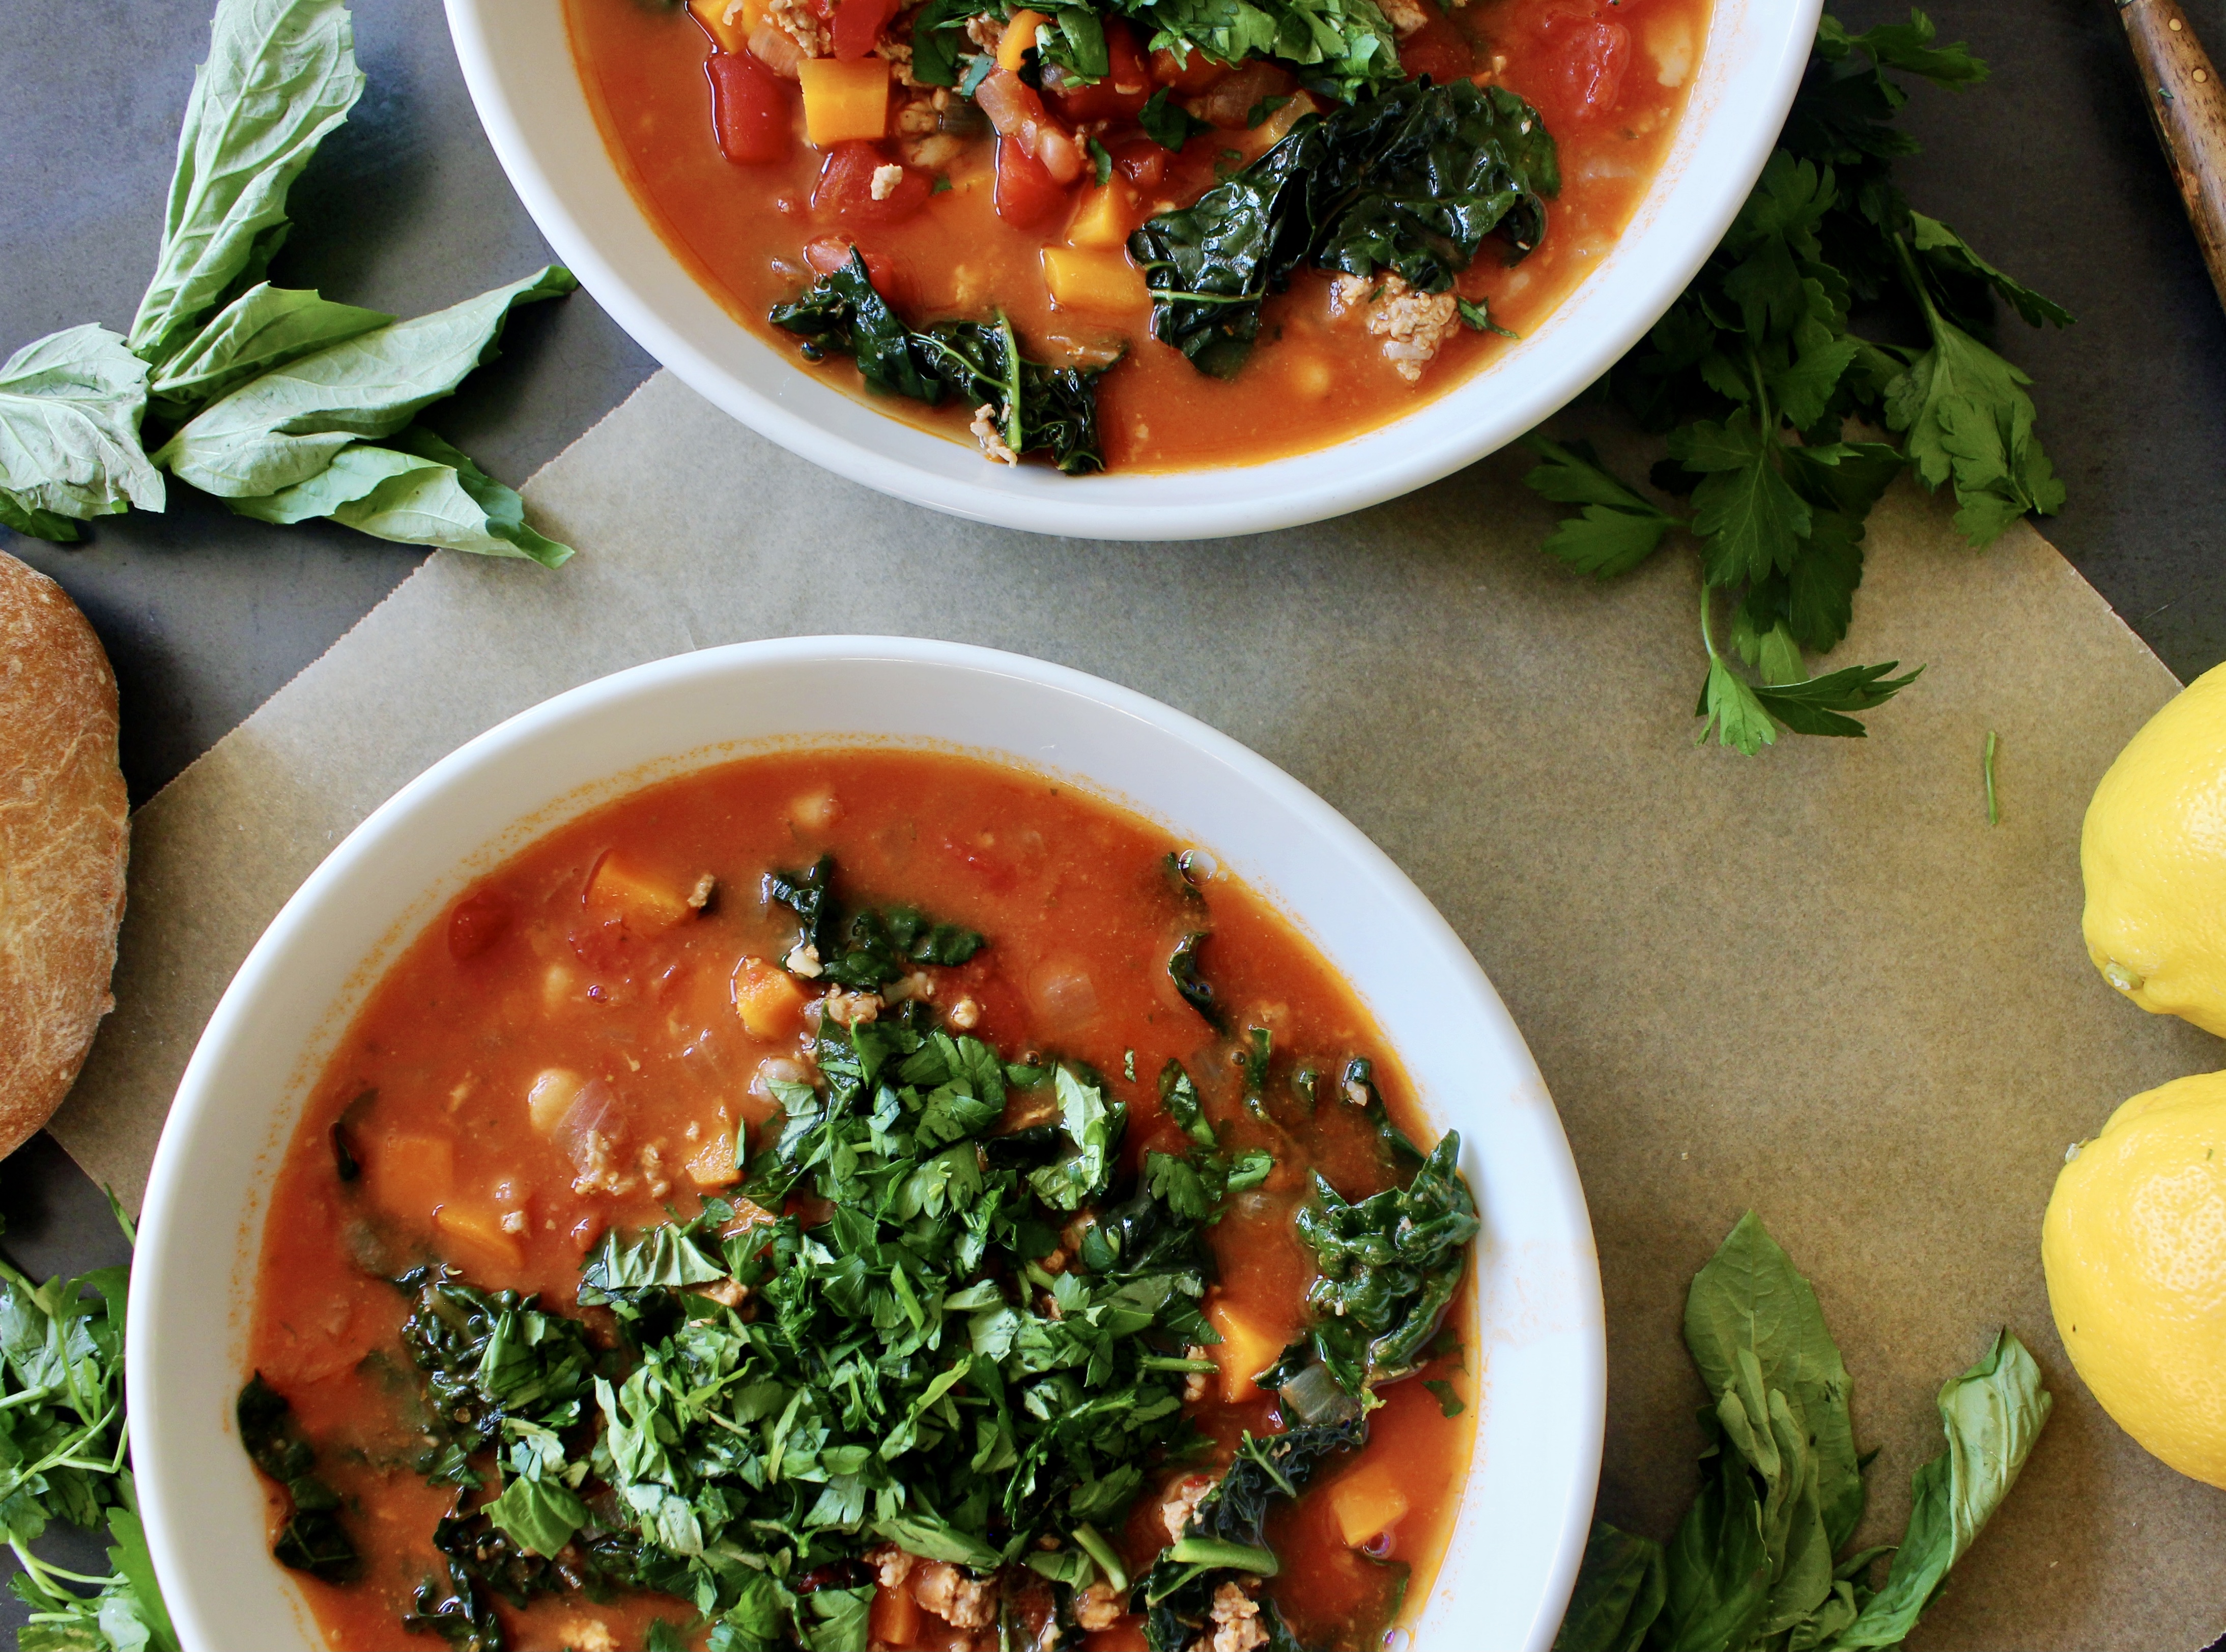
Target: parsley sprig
[{"x": 1755, "y": 379}]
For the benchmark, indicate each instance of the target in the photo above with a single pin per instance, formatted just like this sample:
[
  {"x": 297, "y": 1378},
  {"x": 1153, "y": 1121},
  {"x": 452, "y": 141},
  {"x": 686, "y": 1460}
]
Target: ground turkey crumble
[
  {"x": 1236, "y": 1626},
  {"x": 985, "y": 432},
  {"x": 1412, "y": 325},
  {"x": 1099, "y": 1607},
  {"x": 938, "y": 1586},
  {"x": 1182, "y": 1501},
  {"x": 1405, "y": 16}
]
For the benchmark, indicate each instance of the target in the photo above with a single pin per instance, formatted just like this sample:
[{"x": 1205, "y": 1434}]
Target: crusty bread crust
[{"x": 63, "y": 836}]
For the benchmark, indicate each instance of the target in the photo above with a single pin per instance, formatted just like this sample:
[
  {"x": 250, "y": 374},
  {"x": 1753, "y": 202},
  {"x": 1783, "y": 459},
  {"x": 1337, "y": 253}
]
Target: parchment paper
[{"x": 1817, "y": 983}]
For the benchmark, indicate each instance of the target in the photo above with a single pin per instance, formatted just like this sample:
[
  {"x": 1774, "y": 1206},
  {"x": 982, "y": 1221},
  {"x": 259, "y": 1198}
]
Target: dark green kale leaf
[
  {"x": 455, "y": 1609},
  {"x": 1411, "y": 181},
  {"x": 1197, "y": 991},
  {"x": 1034, "y": 407},
  {"x": 313, "y": 1538},
  {"x": 873, "y": 947},
  {"x": 1390, "y": 1266}
]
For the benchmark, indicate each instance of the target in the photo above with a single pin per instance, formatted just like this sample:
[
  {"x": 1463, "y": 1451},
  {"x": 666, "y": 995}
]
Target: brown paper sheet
[{"x": 1816, "y": 983}]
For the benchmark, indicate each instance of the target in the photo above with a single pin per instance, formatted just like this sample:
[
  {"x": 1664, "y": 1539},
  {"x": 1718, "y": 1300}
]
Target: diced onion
[
  {"x": 777, "y": 49},
  {"x": 1312, "y": 1396}
]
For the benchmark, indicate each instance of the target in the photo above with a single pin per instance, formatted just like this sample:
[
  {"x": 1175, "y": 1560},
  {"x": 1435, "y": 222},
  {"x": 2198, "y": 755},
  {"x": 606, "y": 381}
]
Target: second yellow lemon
[
  {"x": 2134, "y": 1245},
  {"x": 2153, "y": 855}
]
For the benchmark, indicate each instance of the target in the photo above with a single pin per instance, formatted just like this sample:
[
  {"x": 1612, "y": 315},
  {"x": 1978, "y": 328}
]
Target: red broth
[
  {"x": 527, "y": 972},
  {"x": 1611, "y": 78}
]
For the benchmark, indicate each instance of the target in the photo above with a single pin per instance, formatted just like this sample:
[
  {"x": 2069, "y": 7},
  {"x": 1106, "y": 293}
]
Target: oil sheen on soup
[
  {"x": 861, "y": 1199},
  {"x": 987, "y": 161}
]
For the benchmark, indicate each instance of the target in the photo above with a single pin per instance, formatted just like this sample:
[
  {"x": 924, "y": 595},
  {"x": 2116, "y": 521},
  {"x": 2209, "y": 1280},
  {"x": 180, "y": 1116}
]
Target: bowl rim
[
  {"x": 167, "y": 1511},
  {"x": 1658, "y": 255}
]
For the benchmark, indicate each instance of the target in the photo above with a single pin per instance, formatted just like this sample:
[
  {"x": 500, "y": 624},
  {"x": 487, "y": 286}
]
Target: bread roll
[{"x": 63, "y": 832}]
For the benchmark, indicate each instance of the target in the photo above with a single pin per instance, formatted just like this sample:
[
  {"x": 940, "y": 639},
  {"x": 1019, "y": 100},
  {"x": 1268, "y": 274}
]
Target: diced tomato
[
  {"x": 845, "y": 189},
  {"x": 1026, "y": 196},
  {"x": 1576, "y": 76},
  {"x": 479, "y": 920},
  {"x": 827, "y": 253},
  {"x": 858, "y": 24},
  {"x": 1189, "y": 79},
  {"x": 1439, "y": 50},
  {"x": 1140, "y": 160},
  {"x": 1125, "y": 89},
  {"x": 749, "y": 108}
]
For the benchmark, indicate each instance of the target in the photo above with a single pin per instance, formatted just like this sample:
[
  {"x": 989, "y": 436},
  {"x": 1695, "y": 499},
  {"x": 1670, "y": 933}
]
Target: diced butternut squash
[
  {"x": 768, "y": 1000},
  {"x": 895, "y": 1618},
  {"x": 646, "y": 902},
  {"x": 1019, "y": 39},
  {"x": 554, "y": 1089},
  {"x": 844, "y": 102},
  {"x": 476, "y": 1225},
  {"x": 1367, "y": 1502},
  {"x": 729, "y": 21},
  {"x": 1104, "y": 220},
  {"x": 1246, "y": 1347},
  {"x": 1087, "y": 279},
  {"x": 411, "y": 1174},
  {"x": 713, "y": 1164}
]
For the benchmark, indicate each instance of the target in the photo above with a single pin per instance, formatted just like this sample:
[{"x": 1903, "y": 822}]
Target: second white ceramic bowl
[
  {"x": 518, "y": 62},
  {"x": 1541, "y": 1358}
]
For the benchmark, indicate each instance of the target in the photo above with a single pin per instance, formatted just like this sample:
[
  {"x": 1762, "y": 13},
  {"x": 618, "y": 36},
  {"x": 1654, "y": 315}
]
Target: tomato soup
[
  {"x": 932, "y": 1099},
  {"x": 935, "y": 187}
]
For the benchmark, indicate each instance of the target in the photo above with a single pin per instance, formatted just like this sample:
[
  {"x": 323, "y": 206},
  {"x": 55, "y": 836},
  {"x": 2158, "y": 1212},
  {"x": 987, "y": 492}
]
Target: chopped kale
[
  {"x": 1389, "y": 1267},
  {"x": 1197, "y": 991},
  {"x": 492, "y": 1362},
  {"x": 1034, "y": 407},
  {"x": 1227, "y": 1536},
  {"x": 874, "y": 947},
  {"x": 1411, "y": 181},
  {"x": 312, "y": 1539}
]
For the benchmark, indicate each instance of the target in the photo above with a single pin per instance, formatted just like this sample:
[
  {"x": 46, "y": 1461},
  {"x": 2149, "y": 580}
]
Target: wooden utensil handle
[{"x": 2188, "y": 104}]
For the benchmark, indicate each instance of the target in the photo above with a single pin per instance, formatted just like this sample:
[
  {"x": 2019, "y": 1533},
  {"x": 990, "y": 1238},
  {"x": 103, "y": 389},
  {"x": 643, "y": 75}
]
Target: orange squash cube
[
  {"x": 1089, "y": 278},
  {"x": 641, "y": 900},
  {"x": 713, "y": 1164},
  {"x": 844, "y": 102},
  {"x": 894, "y": 1620},
  {"x": 1246, "y": 1347},
  {"x": 768, "y": 1000},
  {"x": 1019, "y": 39},
  {"x": 1102, "y": 222},
  {"x": 728, "y": 21},
  {"x": 1366, "y": 1502},
  {"x": 410, "y": 1175},
  {"x": 477, "y": 1226}
]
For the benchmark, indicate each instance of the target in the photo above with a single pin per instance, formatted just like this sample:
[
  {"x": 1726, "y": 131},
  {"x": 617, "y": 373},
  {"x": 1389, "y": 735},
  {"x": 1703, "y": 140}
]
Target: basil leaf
[
  {"x": 264, "y": 328},
  {"x": 1992, "y": 1415},
  {"x": 539, "y": 1516},
  {"x": 1168, "y": 123},
  {"x": 417, "y": 490},
  {"x": 280, "y": 75},
  {"x": 70, "y": 408},
  {"x": 1618, "y": 1593},
  {"x": 1751, "y": 1299},
  {"x": 287, "y": 425}
]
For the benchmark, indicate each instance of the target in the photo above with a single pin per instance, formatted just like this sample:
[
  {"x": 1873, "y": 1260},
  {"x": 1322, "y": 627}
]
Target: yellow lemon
[
  {"x": 2153, "y": 854},
  {"x": 2134, "y": 1246}
]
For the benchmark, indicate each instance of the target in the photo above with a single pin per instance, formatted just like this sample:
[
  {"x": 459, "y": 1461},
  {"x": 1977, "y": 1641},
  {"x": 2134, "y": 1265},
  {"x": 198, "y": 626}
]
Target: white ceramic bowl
[
  {"x": 518, "y": 62},
  {"x": 1528, "y": 1497}
]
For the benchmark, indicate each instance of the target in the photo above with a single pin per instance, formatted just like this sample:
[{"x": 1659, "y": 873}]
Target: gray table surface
[{"x": 2050, "y": 170}]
